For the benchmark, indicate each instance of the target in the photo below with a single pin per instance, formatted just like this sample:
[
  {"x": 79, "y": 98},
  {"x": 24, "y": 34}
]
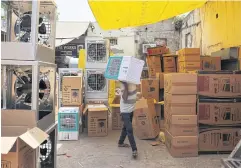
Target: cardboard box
[
  {"x": 189, "y": 51},
  {"x": 219, "y": 112},
  {"x": 158, "y": 50},
  {"x": 181, "y": 146},
  {"x": 189, "y": 58},
  {"x": 219, "y": 84},
  {"x": 180, "y": 104},
  {"x": 117, "y": 122},
  {"x": 169, "y": 63},
  {"x": 211, "y": 63},
  {"x": 68, "y": 123},
  {"x": 124, "y": 68},
  {"x": 218, "y": 139},
  {"x": 154, "y": 65},
  {"x": 20, "y": 138},
  {"x": 72, "y": 93},
  {"x": 160, "y": 76},
  {"x": 188, "y": 66},
  {"x": 181, "y": 125},
  {"x": 150, "y": 89},
  {"x": 97, "y": 116},
  {"x": 146, "y": 120},
  {"x": 180, "y": 83}
]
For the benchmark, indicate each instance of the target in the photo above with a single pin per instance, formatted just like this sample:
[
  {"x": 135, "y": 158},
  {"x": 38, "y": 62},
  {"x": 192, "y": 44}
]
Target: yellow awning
[{"x": 116, "y": 14}]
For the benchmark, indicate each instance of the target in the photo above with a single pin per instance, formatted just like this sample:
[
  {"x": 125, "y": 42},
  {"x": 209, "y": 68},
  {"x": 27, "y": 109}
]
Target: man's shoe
[{"x": 134, "y": 153}]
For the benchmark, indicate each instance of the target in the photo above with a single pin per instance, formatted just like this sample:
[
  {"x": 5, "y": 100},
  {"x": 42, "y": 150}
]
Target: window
[
  {"x": 188, "y": 40},
  {"x": 161, "y": 41},
  {"x": 113, "y": 41}
]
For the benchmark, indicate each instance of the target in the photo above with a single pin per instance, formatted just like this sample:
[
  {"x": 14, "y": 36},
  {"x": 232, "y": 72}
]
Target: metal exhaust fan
[
  {"x": 96, "y": 51},
  {"x": 96, "y": 82},
  {"x": 22, "y": 28},
  {"x": 23, "y": 87},
  {"x": 45, "y": 149}
]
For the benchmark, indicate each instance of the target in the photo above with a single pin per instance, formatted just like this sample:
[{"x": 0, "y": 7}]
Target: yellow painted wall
[{"x": 221, "y": 25}]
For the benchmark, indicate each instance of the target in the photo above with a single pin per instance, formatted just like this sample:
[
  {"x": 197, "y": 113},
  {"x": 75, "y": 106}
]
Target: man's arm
[{"x": 125, "y": 92}]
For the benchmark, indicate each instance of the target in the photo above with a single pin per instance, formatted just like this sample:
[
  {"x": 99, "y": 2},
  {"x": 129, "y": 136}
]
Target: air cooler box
[{"x": 124, "y": 68}]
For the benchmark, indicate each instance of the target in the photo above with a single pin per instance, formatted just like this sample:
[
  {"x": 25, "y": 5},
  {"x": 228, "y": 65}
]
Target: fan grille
[
  {"x": 96, "y": 52},
  {"x": 96, "y": 82}
]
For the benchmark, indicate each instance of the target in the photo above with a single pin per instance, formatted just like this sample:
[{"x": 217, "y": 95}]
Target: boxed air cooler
[
  {"x": 124, "y": 68},
  {"x": 68, "y": 123}
]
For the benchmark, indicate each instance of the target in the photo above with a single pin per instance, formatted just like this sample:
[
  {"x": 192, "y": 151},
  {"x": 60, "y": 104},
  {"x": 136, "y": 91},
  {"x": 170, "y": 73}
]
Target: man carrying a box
[{"x": 127, "y": 106}]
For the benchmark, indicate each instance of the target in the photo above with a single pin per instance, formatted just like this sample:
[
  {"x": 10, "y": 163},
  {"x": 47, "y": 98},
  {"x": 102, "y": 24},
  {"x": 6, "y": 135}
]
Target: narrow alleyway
[{"x": 102, "y": 152}]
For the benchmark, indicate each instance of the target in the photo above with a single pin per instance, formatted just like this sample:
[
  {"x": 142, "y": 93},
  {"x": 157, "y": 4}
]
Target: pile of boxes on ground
[
  {"x": 202, "y": 106},
  {"x": 75, "y": 117}
]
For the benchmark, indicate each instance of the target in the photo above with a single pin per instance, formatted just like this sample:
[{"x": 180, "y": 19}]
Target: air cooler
[
  {"x": 68, "y": 123},
  {"x": 29, "y": 85},
  {"x": 97, "y": 52},
  {"x": 96, "y": 86},
  {"x": 66, "y": 72},
  {"x": 32, "y": 37}
]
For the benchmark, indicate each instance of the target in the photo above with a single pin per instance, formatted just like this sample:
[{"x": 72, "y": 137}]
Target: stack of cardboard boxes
[
  {"x": 180, "y": 114},
  {"x": 159, "y": 61},
  {"x": 219, "y": 110},
  {"x": 216, "y": 126},
  {"x": 70, "y": 114},
  {"x": 188, "y": 59}
]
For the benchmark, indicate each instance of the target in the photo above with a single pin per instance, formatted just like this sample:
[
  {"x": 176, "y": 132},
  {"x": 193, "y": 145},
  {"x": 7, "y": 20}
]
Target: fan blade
[
  {"x": 28, "y": 98},
  {"x": 42, "y": 29},
  {"x": 41, "y": 95},
  {"x": 43, "y": 151},
  {"x": 19, "y": 91},
  {"x": 25, "y": 79},
  {"x": 42, "y": 85}
]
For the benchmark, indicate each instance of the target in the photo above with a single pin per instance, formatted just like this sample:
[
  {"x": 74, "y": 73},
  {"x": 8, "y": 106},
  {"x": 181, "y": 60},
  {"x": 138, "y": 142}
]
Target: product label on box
[
  {"x": 219, "y": 113},
  {"x": 113, "y": 67},
  {"x": 219, "y": 139}
]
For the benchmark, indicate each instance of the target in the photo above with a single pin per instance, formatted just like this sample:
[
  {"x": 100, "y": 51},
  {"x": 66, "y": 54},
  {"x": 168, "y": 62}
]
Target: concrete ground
[{"x": 102, "y": 152}]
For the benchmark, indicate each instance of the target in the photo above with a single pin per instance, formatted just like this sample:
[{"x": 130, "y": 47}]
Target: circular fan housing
[
  {"x": 96, "y": 82},
  {"x": 23, "y": 88},
  {"x": 96, "y": 52},
  {"x": 45, "y": 149}
]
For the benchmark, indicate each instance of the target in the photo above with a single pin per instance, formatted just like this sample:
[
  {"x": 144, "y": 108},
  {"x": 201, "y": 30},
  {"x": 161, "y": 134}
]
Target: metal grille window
[
  {"x": 188, "y": 40},
  {"x": 113, "y": 41}
]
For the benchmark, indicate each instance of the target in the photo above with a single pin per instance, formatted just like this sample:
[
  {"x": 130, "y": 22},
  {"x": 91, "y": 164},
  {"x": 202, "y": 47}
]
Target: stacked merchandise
[
  {"x": 219, "y": 110},
  {"x": 96, "y": 58},
  {"x": 70, "y": 114},
  {"x": 188, "y": 59},
  {"x": 159, "y": 61},
  {"x": 180, "y": 114},
  {"x": 28, "y": 73}
]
